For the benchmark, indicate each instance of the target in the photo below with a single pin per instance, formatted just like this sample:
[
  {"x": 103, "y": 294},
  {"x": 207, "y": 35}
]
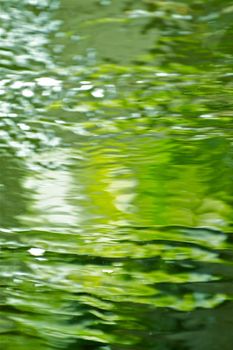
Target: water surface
[{"x": 116, "y": 175}]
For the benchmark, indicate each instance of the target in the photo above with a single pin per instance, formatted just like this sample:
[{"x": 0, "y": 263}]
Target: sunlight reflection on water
[{"x": 116, "y": 176}]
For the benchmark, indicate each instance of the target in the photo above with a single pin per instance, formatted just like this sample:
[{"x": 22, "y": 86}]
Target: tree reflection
[
  {"x": 13, "y": 199},
  {"x": 121, "y": 174}
]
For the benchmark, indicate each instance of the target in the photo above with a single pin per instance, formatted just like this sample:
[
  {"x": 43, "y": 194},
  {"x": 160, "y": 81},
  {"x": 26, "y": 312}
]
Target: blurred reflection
[
  {"x": 116, "y": 175},
  {"x": 12, "y": 196}
]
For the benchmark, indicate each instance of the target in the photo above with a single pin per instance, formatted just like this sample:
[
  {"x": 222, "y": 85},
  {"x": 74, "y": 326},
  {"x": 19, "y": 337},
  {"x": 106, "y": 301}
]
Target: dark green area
[{"x": 116, "y": 175}]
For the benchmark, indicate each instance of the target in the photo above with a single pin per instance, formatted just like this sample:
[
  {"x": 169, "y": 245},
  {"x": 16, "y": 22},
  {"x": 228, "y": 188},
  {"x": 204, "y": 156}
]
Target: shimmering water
[{"x": 116, "y": 175}]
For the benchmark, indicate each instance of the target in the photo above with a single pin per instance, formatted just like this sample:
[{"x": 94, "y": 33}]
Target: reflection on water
[{"x": 116, "y": 175}]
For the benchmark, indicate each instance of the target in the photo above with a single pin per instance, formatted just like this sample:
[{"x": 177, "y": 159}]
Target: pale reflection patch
[{"x": 50, "y": 186}]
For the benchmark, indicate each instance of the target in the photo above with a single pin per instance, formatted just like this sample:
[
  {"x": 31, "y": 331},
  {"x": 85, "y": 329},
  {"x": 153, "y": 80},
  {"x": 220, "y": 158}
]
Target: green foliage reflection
[{"x": 116, "y": 180}]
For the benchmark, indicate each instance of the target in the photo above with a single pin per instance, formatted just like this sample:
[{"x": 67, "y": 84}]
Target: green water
[{"x": 116, "y": 175}]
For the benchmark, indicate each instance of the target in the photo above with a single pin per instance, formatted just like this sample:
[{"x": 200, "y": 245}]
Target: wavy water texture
[{"x": 116, "y": 175}]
